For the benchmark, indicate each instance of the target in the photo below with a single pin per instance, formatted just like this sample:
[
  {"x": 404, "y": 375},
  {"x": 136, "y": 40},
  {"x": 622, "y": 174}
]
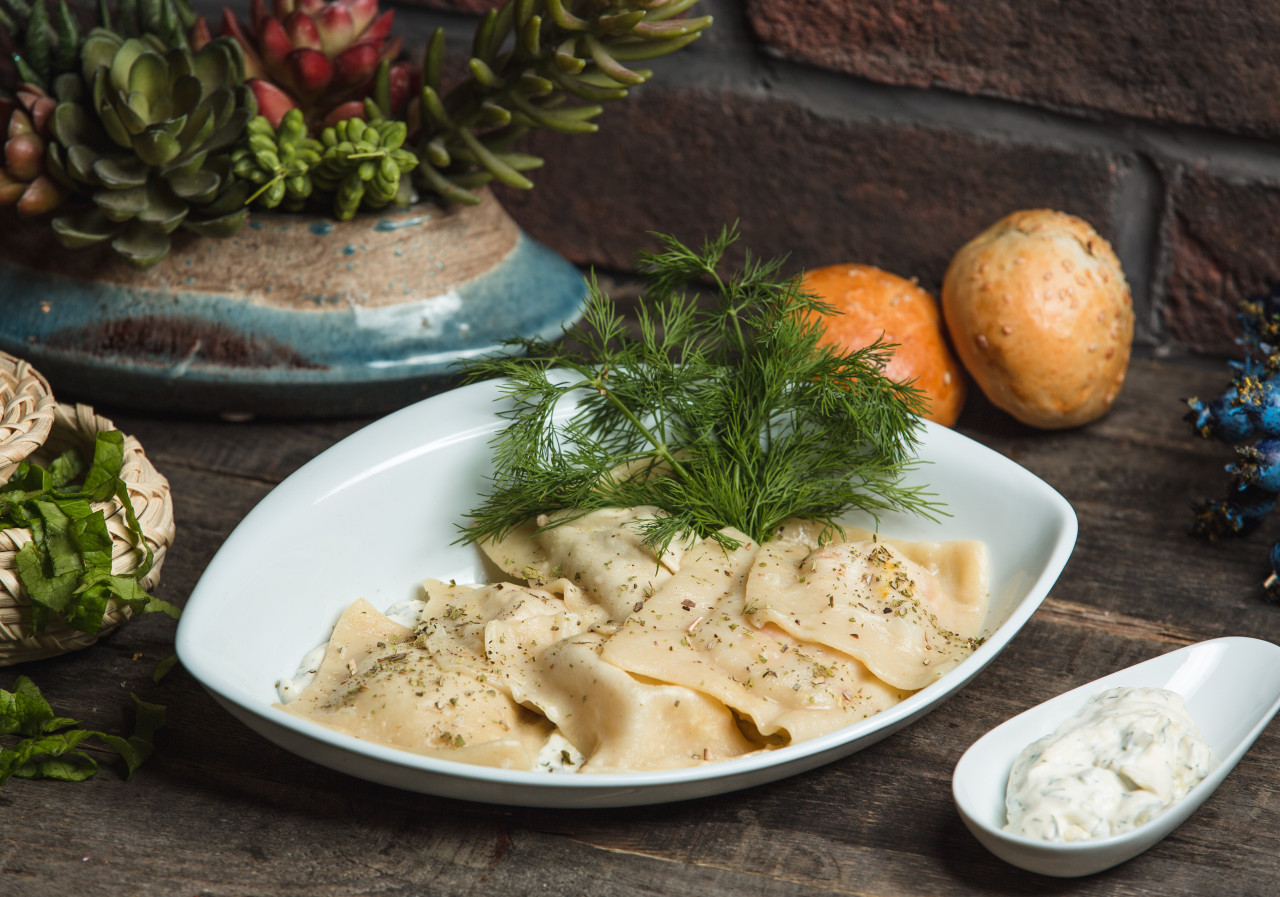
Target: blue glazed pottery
[{"x": 294, "y": 316}]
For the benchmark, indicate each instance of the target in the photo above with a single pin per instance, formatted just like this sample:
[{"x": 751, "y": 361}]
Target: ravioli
[
  {"x": 377, "y": 684},
  {"x": 694, "y": 632},
  {"x": 867, "y": 599},
  {"x": 643, "y": 662},
  {"x": 601, "y": 552}
]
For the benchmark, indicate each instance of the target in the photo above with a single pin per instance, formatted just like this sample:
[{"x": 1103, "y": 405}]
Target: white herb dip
[{"x": 1128, "y": 754}]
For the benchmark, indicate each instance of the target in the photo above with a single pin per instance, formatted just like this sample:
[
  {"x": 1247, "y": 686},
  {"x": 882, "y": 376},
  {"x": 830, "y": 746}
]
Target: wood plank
[{"x": 220, "y": 811}]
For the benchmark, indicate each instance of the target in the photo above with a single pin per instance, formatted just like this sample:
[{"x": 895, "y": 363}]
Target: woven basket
[
  {"x": 28, "y": 412},
  {"x": 77, "y": 426}
]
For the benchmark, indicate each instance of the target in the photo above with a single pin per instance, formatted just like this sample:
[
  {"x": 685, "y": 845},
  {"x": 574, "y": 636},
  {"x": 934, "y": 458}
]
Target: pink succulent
[
  {"x": 316, "y": 55},
  {"x": 24, "y": 182}
]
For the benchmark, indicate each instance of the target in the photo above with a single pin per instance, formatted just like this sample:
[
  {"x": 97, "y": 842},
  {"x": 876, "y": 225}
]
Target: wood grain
[{"x": 219, "y": 811}]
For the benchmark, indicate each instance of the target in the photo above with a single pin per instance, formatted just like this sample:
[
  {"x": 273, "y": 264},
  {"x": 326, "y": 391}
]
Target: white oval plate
[
  {"x": 1232, "y": 690},
  {"x": 378, "y": 512}
]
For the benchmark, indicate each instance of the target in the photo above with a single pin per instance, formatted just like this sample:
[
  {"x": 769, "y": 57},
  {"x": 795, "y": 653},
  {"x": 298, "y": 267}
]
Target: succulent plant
[
  {"x": 319, "y": 56},
  {"x": 149, "y": 139},
  {"x": 278, "y": 160},
  {"x": 24, "y": 182},
  {"x": 527, "y": 59},
  {"x": 46, "y": 43},
  {"x": 146, "y": 123},
  {"x": 364, "y": 163}
]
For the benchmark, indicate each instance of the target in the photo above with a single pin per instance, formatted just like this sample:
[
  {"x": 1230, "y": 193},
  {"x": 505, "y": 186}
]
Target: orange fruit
[{"x": 871, "y": 303}]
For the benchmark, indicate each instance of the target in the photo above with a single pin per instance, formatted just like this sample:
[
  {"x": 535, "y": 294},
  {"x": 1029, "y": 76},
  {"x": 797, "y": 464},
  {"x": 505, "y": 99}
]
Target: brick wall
[{"x": 891, "y": 132}]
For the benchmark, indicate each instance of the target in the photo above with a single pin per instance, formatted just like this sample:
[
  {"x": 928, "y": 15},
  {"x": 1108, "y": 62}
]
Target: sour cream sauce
[{"x": 1126, "y": 756}]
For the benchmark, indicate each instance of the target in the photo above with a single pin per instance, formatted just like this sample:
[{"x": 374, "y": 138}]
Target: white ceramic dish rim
[
  {"x": 397, "y": 767},
  {"x": 1071, "y": 859}
]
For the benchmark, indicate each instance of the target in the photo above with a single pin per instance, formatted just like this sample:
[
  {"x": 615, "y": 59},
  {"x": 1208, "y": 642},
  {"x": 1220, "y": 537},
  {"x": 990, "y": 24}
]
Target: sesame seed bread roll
[{"x": 1040, "y": 314}]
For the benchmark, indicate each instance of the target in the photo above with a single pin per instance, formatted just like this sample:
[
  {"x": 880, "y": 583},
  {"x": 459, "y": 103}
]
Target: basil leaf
[
  {"x": 163, "y": 667},
  {"x": 138, "y": 746},
  {"x": 75, "y": 766},
  {"x": 94, "y": 542},
  {"x": 24, "y": 710},
  {"x": 59, "y": 541},
  {"x": 66, "y": 568},
  {"x": 49, "y": 593},
  {"x": 49, "y": 750},
  {"x": 108, "y": 458},
  {"x": 65, "y": 469}
]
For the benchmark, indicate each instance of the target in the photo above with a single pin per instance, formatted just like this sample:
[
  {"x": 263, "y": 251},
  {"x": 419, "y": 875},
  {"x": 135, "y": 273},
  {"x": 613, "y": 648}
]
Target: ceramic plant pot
[{"x": 293, "y": 316}]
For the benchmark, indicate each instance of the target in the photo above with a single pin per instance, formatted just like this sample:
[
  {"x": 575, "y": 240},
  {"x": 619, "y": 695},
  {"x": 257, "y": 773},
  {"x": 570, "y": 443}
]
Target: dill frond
[{"x": 724, "y": 410}]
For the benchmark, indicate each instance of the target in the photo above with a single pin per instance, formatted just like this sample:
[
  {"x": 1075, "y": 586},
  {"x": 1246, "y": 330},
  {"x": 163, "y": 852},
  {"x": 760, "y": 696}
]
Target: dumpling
[
  {"x": 617, "y": 721},
  {"x": 601, "y": 552},
  {"x": 694, "y": 632},
  {"x": 866, "y": 598},
  {"x": 376, "y": 683}
]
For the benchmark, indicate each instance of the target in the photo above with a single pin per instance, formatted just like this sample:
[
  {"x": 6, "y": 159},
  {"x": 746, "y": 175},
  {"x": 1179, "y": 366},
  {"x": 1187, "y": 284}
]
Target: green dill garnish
[{"x": 723, "y": 410}]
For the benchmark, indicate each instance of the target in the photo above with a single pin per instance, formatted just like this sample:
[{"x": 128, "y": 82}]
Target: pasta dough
[
  {"x": 377, "y": 684},
  {"x": 867, "y": 599},
  {"x": 642, "y": 662},
  {"x": 695, "y": 632}
]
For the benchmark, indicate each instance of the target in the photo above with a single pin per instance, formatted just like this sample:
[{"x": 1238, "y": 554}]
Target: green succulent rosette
[
  {"x": 364, "y": 163},
  {"x": 278, "y": 161},
  {"x": 147, "y": 134}
]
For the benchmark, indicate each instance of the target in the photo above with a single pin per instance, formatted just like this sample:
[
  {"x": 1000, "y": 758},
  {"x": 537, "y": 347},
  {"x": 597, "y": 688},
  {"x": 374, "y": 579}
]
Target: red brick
[
  {"x": 823, "y": 191},
  {"x": 460, "y": 6},
  {"x": 1168, "y": 60},
  {"x": 1221, "y": 244}
]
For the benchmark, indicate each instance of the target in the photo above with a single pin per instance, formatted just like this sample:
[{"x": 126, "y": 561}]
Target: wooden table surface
[{"x": 219, "y": 811}]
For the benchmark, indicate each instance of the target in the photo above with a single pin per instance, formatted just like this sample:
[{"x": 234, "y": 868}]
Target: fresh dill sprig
[{"x": 722, "y": 411}]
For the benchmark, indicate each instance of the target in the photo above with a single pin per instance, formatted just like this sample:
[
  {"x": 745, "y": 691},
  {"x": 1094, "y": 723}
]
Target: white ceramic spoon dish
[{"x": 1232, "y": 690}]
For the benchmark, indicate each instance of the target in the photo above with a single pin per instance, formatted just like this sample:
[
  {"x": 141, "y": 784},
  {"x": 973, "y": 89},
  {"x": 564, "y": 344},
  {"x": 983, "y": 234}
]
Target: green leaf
[
  {"x": 48, "y": 756},
  {"x": 49, "y": 748},
  {"x": 141, "y": 244},
  {"x": 156, "y": 146},
  {"x": 67, "y": 52},
  {"x": 72, "y": 125},
  {"x": 89, "y": 608},
  {"x": 116, "y": 127},
  {"x": 59, "y": 763},
  {"x": 134, "y": 121},
  {"x": 123, "y": 61},
  {"x": 69, "y": 87},
  {"x": 215, "y": 65},
  {"x": 24, "y": 711},
  {"x": 433, "y": 60},
  {"x": 97, "y": 53},
  {"x": 65, "y": 469},
  {"x": 609, "y": 65},
  {"x": 83, "y": 229},
  {"x": 66, "y": 568},
  {"x": 93, "y": 541},
  {"x": 59, "y": 541},
  {"x": 149, "y": 77},
  {"x": 195, "y": 187},
  {"x": 121, "y": 205},
  {"x": 121, "y": 171},
  {"x": 39, "y": 41},
  {"x": 163, "y": 667},
  {"x": 220, "y": 226},
  {"x": 105, "y": 467},
  {"x": 52, "y": 594},
  {"x": 494, "y": 164},
  {"x": 186, "y": 92}
]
